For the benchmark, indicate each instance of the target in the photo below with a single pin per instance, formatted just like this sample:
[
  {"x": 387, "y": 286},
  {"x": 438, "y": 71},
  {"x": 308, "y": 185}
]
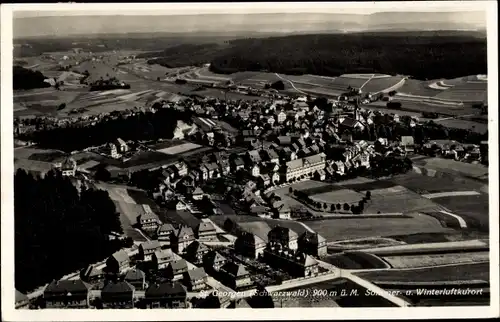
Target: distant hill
[{"x": 248, "y": 24}]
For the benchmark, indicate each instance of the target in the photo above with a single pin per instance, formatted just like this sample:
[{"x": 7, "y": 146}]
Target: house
[
  {"x": 313, "y": 244},
  {"x": 408, "y": 143},
  {"x": 205, "y": 231},
  {"x": 136, "y": 278},
  {"x": 147, "y": 249},
  {"x": 204, "y": 172},
  {"x": 68, "y": 167},
  {"x": 161, "y": 258},
  {"x": 339, "y": 167},
  {"x": 164, "y": 234},
  {"x": 213, "y": 170},
  {"x": 198, "y": 194},
  {"x": 91, "y": 274},
  {"x": 272, "y": 156},
  {"x": 275, "y": 178},
  {"x": 249, "y": 245},
  {"x": 118, "y": 295},
  {"x": 175, "y": 269},
  {"x": 254, "y": 156},
  {"x": 172, "y": 295},
  {"x": 238, "y": 164},
  {"x": 320, "y": 175},
  {"x": 294, "y": 262},
  {"x": 235, "y": 276},
  {"x": 149, "y": 221},
  {"x": 195, "y": 279},
  {"x": 280, "y": 116},
  {"x": 213, "y": 261},
  {"x": 281, "y": 210},
  {"x": 180, "y": 205},
  {"x": 304, "y": 167},
  {"x": 271, "y": 120},
  {"x": 264, "y": 180},
  {"x": 181, "y": 239},
  {"x": 22, "y": 301},
  {"x": 72, "y": 294},
  {"x": 181, "y": 169},
  {"x": 255, "y": 170},
  {"x": 121, "y": 146},
  {"x": 118, "y": 262},
  {"x": 261, "y": 211},
  {"x": 283, "y": 236},
  {"x": 196, "y": 251}
]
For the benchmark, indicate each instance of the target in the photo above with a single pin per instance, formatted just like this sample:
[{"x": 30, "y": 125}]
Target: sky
[{"x": 312, "y": 17}]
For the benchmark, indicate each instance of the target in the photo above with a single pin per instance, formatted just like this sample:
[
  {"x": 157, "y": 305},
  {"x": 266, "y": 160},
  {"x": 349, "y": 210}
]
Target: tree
[
  {"x": 325, "y": 206},
  {"x": 332, "y": 207},
  {"x": 368, "y": 195},
  {"x": 278, "y": 85},
  {"x": 339, "y": 206},
  {"x": 346, "y": 206},
  {"x": 290, "y": 190},
  {"x": 353, "y": 208}
]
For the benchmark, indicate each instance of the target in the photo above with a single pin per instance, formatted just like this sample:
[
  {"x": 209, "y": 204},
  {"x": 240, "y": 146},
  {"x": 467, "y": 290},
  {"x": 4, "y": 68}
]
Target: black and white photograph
[{"x": 318, "y": 156}]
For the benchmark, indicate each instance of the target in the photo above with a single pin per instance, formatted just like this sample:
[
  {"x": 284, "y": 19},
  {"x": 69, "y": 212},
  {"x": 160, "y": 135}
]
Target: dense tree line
[
  {"x": 184, "y": 55},
  {"x": 140, "y": 126},
  {"x": 24, "y": 78},
  {"x": 59, "y": 231},
  {"x": 423, "y": 57}
]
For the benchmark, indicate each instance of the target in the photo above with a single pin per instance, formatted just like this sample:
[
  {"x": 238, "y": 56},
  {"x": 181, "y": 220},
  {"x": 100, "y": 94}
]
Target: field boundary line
[{"x": 451, "y": 194}]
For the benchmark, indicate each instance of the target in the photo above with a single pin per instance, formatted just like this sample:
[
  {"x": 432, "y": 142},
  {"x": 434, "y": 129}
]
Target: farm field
[
  {"x": 476, "y": 271},
  {"x": 455, "y": 167},
  {"x": 355, "y": 228},
  {"x": 363, "y": 243},
  {"x": 29, "y": 152},
  {"x": 356, "y": 260},
  {"x": 423, "y": 184},
  {"x": 398, "y": 199},
  {"x": 383, "y": 84},
  {"x": 450, "y": 236},
  {"x": 474, "y": 209},
  {"x": 339, "y": 196},
  {"x": 415, "y": 261},
  {"x": 418, "y": 88},
  {"x": 476, "y": 127}
]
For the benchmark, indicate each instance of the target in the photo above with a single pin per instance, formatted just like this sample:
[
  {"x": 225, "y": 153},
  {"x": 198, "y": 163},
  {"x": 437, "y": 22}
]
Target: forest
[
  {"x": 140, "y": 126},
  {"x": 58, "y": 231},
  {"x": 24, "y": 78},
  {"x": 423, "y": 57}
]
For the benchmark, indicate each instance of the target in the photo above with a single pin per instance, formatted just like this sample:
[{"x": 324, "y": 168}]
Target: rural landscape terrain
[{"x": 253, "y": 169}]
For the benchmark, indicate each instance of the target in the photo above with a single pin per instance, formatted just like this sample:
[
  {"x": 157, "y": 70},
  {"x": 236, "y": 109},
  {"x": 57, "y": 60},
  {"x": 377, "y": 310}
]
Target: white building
[{"x": 306, "y": 166}]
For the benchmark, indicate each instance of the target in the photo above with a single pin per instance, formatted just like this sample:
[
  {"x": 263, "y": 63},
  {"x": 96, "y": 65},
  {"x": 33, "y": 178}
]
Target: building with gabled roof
[
  {"x": 205, "y": 231},
  {"x": 249, "y": 245},
  {"x": 147, "y": 249},
  {"x": 304, "y": 167},
  {"x": 67, "y": 294},
  {"x": 118, "y": 295},
  {"x": 181, "y": 239},
  {"x": 283, "y": 236},
  {"x": 118, "y": 262},
  {"x": 294, "y": 262},
  {"x": 176, "y": 269},
  {"x": 213, "y": 261},
  {"x": 236, "y": 276},
  {"x": 195, "y": 279},
  {"x": 161, "y": 258},
  {"x": 91, "y": 274},
  {"x": 164, "y": 232},
  {"x": 312, "y": 244},
  {"x": 136, "y": 278},
  {"x": 172, "y": 295},
  {"x": 195, "y": 252}
]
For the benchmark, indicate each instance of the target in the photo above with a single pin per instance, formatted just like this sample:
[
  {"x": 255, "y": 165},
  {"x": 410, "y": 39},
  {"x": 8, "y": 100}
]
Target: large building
[
  {"x": 295, "y": 262},
  {"x": 304, "y": 167}
]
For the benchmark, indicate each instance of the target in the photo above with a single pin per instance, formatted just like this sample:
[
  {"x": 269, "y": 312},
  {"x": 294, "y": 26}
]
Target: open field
[
  {"x": 449, "y": 236},
  {"x": 30, "y": 152},
  {"x": 383, "y": 84},
  {"x": 398, "y": 199},
  {"x": 465, "y": 92},
  {"x": 356, "y": 260},
  {"x": 126, "y": 206},
  {"x": 339, "y": 196},
  {"x": 415, "y": 261},
  {"x": 476, "y": 127},
  {"x": 363, "y": 243},
  {"x": 473, "y": 209},
  {"x": 418, "y": 88},
  {"x": 476, "y": 271},
  {"x": 353, "y": 228},
  {"x": 455, "y": 167},
  {"x": 423, "y": 184}
]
